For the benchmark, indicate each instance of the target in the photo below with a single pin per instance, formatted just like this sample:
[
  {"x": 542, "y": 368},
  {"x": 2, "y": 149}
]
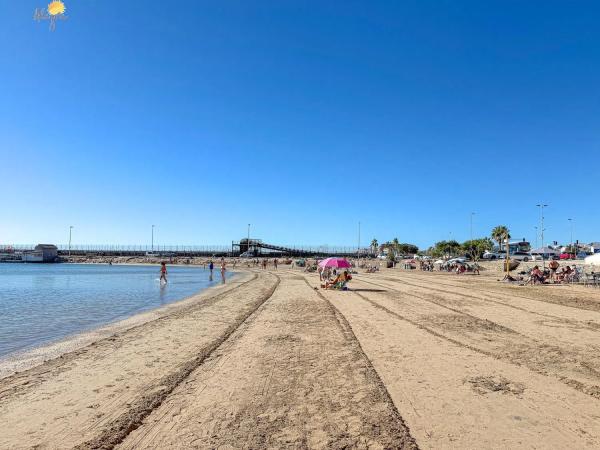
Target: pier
[{"x": 257, "y": 248}]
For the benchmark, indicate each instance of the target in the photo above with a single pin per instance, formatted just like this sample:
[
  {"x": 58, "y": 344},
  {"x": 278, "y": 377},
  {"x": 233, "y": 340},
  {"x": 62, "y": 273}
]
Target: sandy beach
[{"x": 405, "y": 359}]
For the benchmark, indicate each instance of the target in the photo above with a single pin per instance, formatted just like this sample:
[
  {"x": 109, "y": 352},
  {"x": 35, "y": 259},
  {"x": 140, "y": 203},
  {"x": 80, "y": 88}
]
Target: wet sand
[{"x": 404, "y": 359}]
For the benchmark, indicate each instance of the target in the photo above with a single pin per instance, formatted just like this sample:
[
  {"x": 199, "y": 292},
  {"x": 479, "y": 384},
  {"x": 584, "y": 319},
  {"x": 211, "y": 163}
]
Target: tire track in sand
[
  {"x": 591, "y": 390},
  {"x": 346, "y": 329},
  {"x": 586, "y": 306},
  {"x": 293, "y": 377},
  {"x": 116, "y": 431},
  {"x": 592, "y": 326}
]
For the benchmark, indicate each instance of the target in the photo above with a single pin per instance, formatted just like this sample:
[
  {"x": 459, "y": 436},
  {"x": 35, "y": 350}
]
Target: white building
[{"x": 41, "y": 253}]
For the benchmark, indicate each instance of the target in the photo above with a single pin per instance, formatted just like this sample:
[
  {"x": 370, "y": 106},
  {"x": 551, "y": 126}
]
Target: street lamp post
[
  {"x": 70, "y": 233},
  {"x": 152, "y": 244},
  {"x": 571, "y": 223},
  {"x": 542, "y": 206},
  {"x": 471, "y": 233},
  {"x": 248, "y": 241},
  {"x": 358, "y": 248},
  {"x": 536, "y": 237}
]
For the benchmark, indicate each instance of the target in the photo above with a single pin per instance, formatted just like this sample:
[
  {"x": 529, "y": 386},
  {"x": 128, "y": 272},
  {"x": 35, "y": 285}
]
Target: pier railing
[{"x": 192, "y": 250}]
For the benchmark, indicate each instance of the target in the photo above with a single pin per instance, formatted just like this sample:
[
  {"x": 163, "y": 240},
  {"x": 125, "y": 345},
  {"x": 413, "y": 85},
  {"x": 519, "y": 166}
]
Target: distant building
[
  {"x": 46, "y": 253},
  {"x": 595, "y": 247}
]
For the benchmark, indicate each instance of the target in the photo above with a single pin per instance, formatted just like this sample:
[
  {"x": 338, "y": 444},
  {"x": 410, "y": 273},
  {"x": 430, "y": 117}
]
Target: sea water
[{"x": 42, "y": 303}]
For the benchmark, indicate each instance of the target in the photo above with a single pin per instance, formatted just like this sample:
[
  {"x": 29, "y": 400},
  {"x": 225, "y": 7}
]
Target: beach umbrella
[{"x": 340, "y": 263}]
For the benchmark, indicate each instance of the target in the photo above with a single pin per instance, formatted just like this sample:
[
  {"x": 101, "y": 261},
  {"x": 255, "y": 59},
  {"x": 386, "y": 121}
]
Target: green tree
[
  {"x": 476, "y": 247},
  {"x": 500, "y": 234},
  {"x": 408, "y": 249},
  {"x": 395, "y": 246},
  {"x": 445, "y": 249}
]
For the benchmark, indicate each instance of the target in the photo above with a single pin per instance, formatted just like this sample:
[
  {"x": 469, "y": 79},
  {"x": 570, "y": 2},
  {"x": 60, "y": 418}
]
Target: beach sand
[{"x": 404, "y": 359}]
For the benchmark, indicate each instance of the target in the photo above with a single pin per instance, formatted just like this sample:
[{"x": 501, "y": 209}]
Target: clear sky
[{"x": 299, "y": 117}]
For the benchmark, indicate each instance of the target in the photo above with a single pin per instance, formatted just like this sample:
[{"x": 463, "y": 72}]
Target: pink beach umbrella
[{"x": 335, "y": 262}]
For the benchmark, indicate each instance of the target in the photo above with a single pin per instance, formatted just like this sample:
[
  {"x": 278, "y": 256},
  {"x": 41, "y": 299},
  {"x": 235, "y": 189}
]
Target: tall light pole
[
  {"x": 152, "y": 245},
  {"x": 571, "y": 222},
  {"x": 358, "y": 248},
  {"x": 542, "y": 206},
  {"x": 536, "y": 237},
  {"x": 472, "y": 214},
  {"x": 248, "y": 241},
  {"x": 70, "y": 233}
]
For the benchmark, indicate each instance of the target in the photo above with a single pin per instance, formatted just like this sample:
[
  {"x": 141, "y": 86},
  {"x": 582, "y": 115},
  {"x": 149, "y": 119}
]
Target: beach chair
[
  {"x": 576, "y": 275},
  {"x": 340, "y": 286},
  {"x": 589, "y": 279}
]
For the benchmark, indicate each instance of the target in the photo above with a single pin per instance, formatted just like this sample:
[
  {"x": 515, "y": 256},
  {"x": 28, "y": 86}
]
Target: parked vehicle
[
  {"x": 247, "y": 255},
  {"x": 521, "y": 256},
  {"x": 567, "y": 256},
  {"x": 459, "y": 260},
  {"x": 490, "y": 255}
]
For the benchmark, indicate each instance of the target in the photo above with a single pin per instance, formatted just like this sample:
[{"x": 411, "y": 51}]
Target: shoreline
[{"x": 22, "y": 360}]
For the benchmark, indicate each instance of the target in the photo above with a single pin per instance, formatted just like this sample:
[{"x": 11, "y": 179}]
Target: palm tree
[
  {"x": 374, "y": 245},
  {"x": 500, "y": 234},
  {"x": 396, "y": 245}
]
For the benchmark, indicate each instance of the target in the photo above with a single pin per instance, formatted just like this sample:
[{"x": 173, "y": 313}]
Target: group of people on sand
[
  {"x": 263, "y": 263},
  {"x": 426, "y": 266},
  {"x": 566, "y": 275},
  {"x": 211, "y": 268}
]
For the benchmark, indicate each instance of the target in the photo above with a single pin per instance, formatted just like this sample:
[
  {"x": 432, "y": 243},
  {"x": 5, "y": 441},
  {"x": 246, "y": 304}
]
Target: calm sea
[{"x": 41, "y": 303}]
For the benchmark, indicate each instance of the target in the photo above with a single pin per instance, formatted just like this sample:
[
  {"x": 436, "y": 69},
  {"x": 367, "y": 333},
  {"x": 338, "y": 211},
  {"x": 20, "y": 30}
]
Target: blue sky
[{"x": 301, "y": 118}]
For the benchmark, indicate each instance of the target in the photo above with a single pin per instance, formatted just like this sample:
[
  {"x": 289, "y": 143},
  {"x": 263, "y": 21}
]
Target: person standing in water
[
  {"x": 211, "y": 267},
  {"x": 163, "y": 272},
  {"x": 223, "y": 269}
]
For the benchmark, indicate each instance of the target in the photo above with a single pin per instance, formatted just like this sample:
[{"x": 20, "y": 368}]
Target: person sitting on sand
[
  {"x": 564, "y": 275},
  {"x": 339, "y": 280},
  {"x": 537, "y": 276},
  {"x": 163, "y": 272}
]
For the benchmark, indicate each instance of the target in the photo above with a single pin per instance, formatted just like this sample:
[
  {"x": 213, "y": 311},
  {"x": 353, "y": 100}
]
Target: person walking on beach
[
  {"x": 211, "y": 267},
  {"x": 275, "y": 263},
  {"x": 163, "y": 272}
]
